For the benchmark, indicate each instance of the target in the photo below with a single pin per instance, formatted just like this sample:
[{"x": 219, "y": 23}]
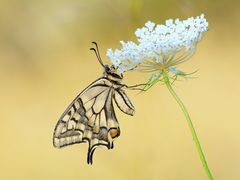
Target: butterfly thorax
[{"x": 112, "y": 74}]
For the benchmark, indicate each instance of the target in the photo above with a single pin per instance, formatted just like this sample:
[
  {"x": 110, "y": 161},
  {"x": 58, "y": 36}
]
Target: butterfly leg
[{"x": 134, "y": 87}]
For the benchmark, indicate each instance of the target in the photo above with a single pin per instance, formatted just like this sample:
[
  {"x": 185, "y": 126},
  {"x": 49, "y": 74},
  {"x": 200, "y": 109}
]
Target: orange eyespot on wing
[{"x": 114, "y": 133}]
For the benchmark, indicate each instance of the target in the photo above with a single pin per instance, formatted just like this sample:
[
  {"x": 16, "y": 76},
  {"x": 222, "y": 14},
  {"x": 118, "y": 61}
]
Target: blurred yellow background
[{"x": 45, "y": 62}]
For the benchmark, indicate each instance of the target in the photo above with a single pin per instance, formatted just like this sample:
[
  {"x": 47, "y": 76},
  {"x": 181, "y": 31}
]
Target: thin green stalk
[{"x": 190, "y": 124}]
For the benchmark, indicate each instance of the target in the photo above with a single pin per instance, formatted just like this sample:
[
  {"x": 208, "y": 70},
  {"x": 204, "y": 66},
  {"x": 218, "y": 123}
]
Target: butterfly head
[{"x": 112, "y": 73}]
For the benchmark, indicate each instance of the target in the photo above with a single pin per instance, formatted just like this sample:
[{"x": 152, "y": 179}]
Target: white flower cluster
[
  {"x": 127, "y": 58},
  {"x": 159, "y": 42}
]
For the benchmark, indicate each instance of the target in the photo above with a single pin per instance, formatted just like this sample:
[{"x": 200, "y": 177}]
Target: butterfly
[{"x": 91, "y": 117}]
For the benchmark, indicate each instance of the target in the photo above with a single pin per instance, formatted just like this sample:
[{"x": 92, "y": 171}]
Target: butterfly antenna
[{"x": 97, "y": 54}]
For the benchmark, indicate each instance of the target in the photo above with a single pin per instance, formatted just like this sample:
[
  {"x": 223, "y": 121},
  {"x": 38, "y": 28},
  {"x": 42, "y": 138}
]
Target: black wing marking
[
  {"x": 89, "y": 118},
  {"x": 123, "y": 102}
]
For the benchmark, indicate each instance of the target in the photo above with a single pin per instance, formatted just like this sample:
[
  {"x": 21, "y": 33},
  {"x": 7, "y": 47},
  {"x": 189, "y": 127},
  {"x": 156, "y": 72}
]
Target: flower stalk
[{"x": 190, "y": 124}]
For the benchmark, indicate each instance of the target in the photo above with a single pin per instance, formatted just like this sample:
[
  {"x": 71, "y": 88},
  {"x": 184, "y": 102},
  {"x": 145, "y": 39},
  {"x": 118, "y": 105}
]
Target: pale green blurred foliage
[{"x": 45, "y": 62}]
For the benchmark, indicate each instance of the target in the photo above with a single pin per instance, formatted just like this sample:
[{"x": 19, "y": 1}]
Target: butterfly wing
[
  {"x": 89, "y": 118},
  {"x": 123, "y": 102}
]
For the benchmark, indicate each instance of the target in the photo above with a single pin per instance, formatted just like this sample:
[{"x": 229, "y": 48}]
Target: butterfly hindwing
[{"x": 123, "y": 102}]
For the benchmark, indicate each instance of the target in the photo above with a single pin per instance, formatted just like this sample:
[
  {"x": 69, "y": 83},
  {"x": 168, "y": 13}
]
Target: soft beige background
[{"x": 45, "y": 62}]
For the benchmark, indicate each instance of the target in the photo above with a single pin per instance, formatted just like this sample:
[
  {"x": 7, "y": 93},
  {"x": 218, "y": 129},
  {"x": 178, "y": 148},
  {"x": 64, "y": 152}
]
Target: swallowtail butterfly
[{"x": 91, "y": 117}]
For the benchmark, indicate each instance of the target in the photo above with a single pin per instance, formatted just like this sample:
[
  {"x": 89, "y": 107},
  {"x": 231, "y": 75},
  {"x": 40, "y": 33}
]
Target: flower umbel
[
  {"x": 166, "y": 46},
  {"x": 160, "y": 46},
  {"x": 160, "y": 42},
  {"x": 159, "y": 50}
]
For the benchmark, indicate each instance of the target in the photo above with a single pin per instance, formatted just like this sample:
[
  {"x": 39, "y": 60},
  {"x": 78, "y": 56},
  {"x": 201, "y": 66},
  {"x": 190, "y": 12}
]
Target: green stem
[{"x": 190, "y": 124}]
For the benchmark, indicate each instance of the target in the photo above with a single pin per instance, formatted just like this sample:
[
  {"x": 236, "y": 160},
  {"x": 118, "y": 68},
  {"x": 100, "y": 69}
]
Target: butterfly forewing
[{"x": 91, "y": 117}]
